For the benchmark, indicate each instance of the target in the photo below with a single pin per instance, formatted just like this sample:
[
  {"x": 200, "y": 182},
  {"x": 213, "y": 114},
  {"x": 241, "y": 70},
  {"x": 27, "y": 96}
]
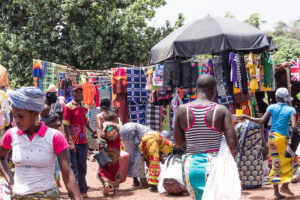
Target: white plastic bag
[
  {"x": 223, "y": 182},
  {"x": 173, "y": 170}
]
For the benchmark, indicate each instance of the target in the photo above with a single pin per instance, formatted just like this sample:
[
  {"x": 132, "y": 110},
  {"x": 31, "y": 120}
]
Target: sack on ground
[{"x": 170, "y": 179}]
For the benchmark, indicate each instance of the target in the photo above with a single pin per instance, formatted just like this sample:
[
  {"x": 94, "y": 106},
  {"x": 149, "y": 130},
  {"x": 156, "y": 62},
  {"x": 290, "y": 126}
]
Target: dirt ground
[{"x": 128, "y": 192}]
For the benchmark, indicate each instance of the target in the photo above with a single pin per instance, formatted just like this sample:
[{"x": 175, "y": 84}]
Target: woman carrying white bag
[{"x": 204, "y": 130}]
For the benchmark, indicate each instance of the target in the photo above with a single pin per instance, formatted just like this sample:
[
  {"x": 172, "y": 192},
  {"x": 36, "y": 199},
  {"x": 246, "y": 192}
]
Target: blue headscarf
[{"x": 27, "y": 98}]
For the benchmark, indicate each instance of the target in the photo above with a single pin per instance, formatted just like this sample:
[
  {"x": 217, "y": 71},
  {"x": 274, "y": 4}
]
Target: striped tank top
[{"x": 200, "y": 137}]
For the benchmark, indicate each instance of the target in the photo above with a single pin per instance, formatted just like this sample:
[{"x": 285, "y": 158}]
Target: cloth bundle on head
[
  {"x": 283, "y": 93},
  {"x": 27, "y": 98}
]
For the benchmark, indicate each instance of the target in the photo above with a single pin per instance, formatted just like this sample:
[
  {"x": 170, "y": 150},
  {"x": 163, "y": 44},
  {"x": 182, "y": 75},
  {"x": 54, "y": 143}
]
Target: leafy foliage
[
  {"x": 87, "y": 34},
  {"x": 255, "y": 20}
]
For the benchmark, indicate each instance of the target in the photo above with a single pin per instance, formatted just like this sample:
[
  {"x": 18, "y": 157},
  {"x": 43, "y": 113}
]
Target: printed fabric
[
  {"x": 37, "y": 68},
  {"x": 252, "y": 65},
  {"x": 196, "y": 169},
  {"x": 49, "y": 75},
  {"x": 52, "y": 194},
  {"x": 157, "y": 79},
  {"x": 282, "y": 168},
  {"x": 152, "y": 146},
  {"x": 218, "y": 73},
  {"x": 152, "y": 118},
  {"x": 242, "y": 73},
  {"x": 89, "y": 92},
  {"x": 136, "y": 94},
  {"x": 249, "y": 156},
  {"x": 131, "y": 134},
  {"x": 136, "y": 84},
  {"x": 119, "y": 92}
]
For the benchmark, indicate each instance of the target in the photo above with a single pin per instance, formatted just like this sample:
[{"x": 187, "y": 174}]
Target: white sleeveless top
[{"x": 34, "y": 158}]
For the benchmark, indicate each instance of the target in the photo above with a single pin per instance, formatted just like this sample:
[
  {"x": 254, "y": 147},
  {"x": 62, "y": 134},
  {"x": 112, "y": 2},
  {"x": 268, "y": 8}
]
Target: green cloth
[
  {"x": 49, "y": 77},
  {"x": 267, "y": 61},
  {"x": 253, "y": 104},
  {"x": 165, "y": 118}
]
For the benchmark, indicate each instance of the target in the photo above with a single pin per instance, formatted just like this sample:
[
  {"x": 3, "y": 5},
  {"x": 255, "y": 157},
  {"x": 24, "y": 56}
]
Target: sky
[{"x": 270, "y": 10}]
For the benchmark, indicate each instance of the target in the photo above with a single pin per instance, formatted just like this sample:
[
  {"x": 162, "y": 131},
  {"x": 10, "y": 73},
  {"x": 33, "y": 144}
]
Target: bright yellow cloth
[
  {"x": 252, "y": 65},
  {"x": 282, "y": 168},
  {"x": 152, "y": 145}
]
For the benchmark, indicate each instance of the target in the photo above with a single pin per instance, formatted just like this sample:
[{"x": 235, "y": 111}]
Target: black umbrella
[{"x": 210, "y": 35}]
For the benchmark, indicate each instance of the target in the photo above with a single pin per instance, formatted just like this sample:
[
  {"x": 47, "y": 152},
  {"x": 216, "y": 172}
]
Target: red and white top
[{"x": 34, "y": 158}]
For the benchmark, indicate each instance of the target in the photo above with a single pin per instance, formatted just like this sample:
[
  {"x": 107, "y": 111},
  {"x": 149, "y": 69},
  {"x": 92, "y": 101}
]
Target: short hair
[
  {"x": 206, "y": 83},
  {"x": 112, "y": 116},
  {"x": 105, "y": 103}
]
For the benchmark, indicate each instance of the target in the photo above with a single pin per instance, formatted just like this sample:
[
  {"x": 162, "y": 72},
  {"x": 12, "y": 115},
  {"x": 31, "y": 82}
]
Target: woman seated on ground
[
  {"x": 282, "y": 167},
  {"x": 34, "y": 150},
  {"x": 152, "y": 146},
  {"x": 109, "y": 175}
]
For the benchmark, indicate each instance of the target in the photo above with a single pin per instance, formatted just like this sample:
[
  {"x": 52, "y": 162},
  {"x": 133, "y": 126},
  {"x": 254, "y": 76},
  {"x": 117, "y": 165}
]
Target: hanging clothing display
[
  {"x": 89, "y": 92},
  {"x": 252, "y": 65},
  {"x": 218, "y": 73},
  {"x": 37, "y": 68},
  {"x": 153, "y": 116},
  {"x": 119, "y": 92},
  {"x": 267, "y": 61},
  {"x": 3, "y": 77},
  {"x": 49, "y": 76},
  {"x": 136, "y": 94}
]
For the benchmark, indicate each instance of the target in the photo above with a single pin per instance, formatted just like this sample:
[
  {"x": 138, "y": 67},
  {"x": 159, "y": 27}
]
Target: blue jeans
[{"x": 79, "y": 166}]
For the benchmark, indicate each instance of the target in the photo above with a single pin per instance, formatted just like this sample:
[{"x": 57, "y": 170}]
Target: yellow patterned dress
[
  {"x": 282, "y": 168},
  {"x": 152, "y": 146}
]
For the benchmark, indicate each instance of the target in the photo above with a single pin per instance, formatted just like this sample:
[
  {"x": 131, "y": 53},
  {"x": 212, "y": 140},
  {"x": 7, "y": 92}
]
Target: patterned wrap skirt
[
  {"x": 152, "y": 146},
  {"x": 52, "y": 194},
  {"x": 196, "y": 169},
  {"x": 282, "y": 168}
]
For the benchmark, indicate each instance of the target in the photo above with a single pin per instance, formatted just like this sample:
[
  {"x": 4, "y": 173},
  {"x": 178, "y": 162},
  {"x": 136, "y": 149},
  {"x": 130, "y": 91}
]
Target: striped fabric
[
  {"x": 27, "y": 98},
  {"x": 199, "y": 136}
]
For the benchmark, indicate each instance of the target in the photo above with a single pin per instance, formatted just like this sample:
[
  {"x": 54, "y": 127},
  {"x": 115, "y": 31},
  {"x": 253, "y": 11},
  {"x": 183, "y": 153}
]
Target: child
[{"x": 109, "y": 175}]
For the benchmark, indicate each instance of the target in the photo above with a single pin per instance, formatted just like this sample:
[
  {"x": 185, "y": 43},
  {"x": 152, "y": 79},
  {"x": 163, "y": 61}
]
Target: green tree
[
  {"x": 280, "y": 28},
  {"x": 288, "y": 49},
  {"x": 228, "y": 14},
  {"x": 87, "y": 34},
  {"x": 255, "y": 20}
]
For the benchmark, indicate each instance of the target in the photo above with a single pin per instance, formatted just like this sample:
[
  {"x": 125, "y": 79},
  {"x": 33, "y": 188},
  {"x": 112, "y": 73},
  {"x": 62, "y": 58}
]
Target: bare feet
[
  {"x": 136, "y": 182},
  {"x": 153, "y": 188},
  {"x": 286, "y": 191},
  {"x": 279, "y": 196},
  {"x": 106, "y": 190}
]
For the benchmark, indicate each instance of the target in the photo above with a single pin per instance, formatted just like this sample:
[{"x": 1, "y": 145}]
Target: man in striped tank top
[{"x": 201, "y": 128}]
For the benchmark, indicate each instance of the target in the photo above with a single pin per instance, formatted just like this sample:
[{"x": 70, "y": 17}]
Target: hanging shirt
[
  {"x": 37, "y": 68},
  {"x": 158, "y": 76},
  {"x": 89, "y": 92},
  {"x": 267, "y": 61},
  {"x": 252, "y": 65}
]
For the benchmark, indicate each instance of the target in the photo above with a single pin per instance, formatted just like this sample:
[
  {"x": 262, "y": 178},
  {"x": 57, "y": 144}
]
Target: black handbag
[{"x": 102, "y": 159}]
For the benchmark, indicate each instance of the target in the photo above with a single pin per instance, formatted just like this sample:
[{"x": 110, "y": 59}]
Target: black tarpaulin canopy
[{"x": 210, "y": 35}]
